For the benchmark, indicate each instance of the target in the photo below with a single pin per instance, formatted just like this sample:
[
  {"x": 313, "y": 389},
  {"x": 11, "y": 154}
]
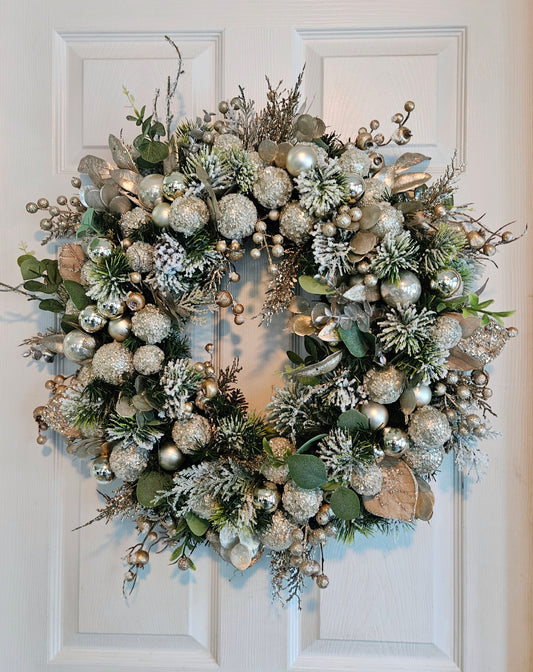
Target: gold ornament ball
[
  {"x": 49, "y": 385},
  {"x": 238, "y": 320},
  {"x": 234, "y": 276},
  {"x": 135, "y": 277},
  {"x": 160, "y": 215},
  {"x": 140, "y": 557},
  {"x": 223, "y": 299},
  {"x": 377, "y": 414},
  {"x": 210, "y": 389},
  {"x": 170, "y": 457},
  {"x": 221, "y": 246},
  {"x": 119, "y": 329},
  {"x": 151, "y": 190},
  {"x": 41, "y": 440},
  {"x": 135, "y": 301},
  {"x": 237, "y": 309}
]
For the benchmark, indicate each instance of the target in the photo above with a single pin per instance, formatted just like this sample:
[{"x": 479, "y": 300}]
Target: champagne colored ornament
[
  {"x": 366, "y": 479},
  {"x": 119, "y": 329},
  {"x": 404, "y": 292},
  {"x": 128, "y": 461},
  {"x": 140, "y": 256},
  {"x": 295, "y": 223},
  {"x": 446, "y": 332},
  {"x": 267, "y": 497},
  {"x": 389, "y": 222},
  {"x": 160, "y": 215},
  {"x": 113, "y": 363},
  {"x": 354, "y": 161},
  {"x": 395, "y": 441},
  {"x": 278, "y": 536},
  {"x": 384, "y": 386},
  {"x": 111, "y": 309},
  {"x": 280, "y": 447},
  {"x": 169, "y": 456},
  {"x": 90, "y": 320},
  {"x": 189, "y": 435},
  {"x": 99, "y": 248},
  {"x": 424, "y": 460},
  {"x": 377, "y": 414},
  {"x": 301, "y": 504},
  {"x": 148, "y": 359},
  {"x": 188, "y": 215},
  {"x": 273, "y": 187},
  {"x": 151, "y": 325},
  {"x": 238, "y": 216},
  {"x": 174, "y": 186},
  {"x": 101, "y": 470},
  {"x": 79, "y": 347},
  {"x": 300, "y": 158},
  {"x": 151, "y": 191}
]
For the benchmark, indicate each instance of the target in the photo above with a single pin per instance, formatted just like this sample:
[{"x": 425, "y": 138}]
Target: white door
[{"x": 452, "y": 595}]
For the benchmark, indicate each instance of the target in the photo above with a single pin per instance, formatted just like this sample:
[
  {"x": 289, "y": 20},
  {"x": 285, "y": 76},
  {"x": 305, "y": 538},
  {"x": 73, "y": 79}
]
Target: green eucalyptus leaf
[
  {"x": 23, "y": 257},
  {"x": 176, "y": 553},
  {"x": 157, "y": 129},
  {"x": 154, "y": 152},
  {"x": 305, "y": 446},
  {"x": 197, "y": 525},
  {"x": 51, "y": 305},
  {"x": 34, "y": 286},
  {"x": 77, "y": 294},
  {"x": 352, "y": 419},
  {"x": 345, "y": 503},
  {"x": 69, "y": 322},
  {"x": 307, "y": 471},
  {"x": 294, "y": 357},
  {"x": 87, "y": 223},
  {"x": 313, "y": 286},
  {"x": 29, "y": 268},
  {"x": 310, "y": 346},
  {"x": 354, "y": 340},
  {"x": 330, "y": 486}
]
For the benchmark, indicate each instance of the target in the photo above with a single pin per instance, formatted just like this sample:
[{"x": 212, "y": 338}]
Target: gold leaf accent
[
  {"x": 398, "y": 496},
  {"x": 71, "y": 259},
  {"x": 425, "y": 501},
  {"x": 409, "y": 181},
  {"x": 408, "y": 160},
  {"x": 96, "y": 168},
  {"x": 126, "y": 179},
  {"x": 363, "y": 242},
  {"x": 121, "y": 154},
  {"x": 302, "y": 325}
]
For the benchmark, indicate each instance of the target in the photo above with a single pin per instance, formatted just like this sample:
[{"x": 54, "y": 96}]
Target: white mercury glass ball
[
  {"x": 238, "y": 217},
  {"x": 404, "y": 292},
  {"x": 151, "y": 190},
  {"x": 301, "y": 158},
  {"x": 79, "y": 347}
]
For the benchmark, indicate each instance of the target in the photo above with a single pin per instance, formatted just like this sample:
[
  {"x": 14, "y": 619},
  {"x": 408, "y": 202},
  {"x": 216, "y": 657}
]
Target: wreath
[{"x": 378, "y": 270}]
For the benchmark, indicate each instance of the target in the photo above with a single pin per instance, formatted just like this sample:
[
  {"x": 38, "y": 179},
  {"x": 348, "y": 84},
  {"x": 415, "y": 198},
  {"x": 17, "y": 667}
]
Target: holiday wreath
[{"x": 395, "y": 339}]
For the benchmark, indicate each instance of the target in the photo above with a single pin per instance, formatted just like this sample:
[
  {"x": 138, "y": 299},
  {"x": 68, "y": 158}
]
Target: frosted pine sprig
[
  {"x": 322, "y": 189},
  {"x": 405, "y": 330},
  {"x": 395, "y": 254}
]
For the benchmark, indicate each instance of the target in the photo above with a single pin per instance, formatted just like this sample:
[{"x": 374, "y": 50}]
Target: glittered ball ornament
[
  {"x": 375, "y": 192},
  {"x": 446, "y": 332},
  {"x": 188, "y": 215},
  {"x": 301, "y": 504},
  {"x": 140, "y": 256},
  {"x": 295, "y": 223},
  {"x": 300, "y": 158},
  {"x": 113, "y": 363},
  {"x": 429, "y": 427},
  {"x": 90, "y": 320},
  {"x": 78, "y": 346},
  {"x": 150, "y": 324},
  {"x": 150, "y": 190},
  {"x": 278, "y": 535},
  {"x": 367, "y": 479},
  {"x": 280, "y": 447},
  {"x": 395, "y": 441},
  {"x": 227, "y": 141},
  {"x": 355, "y": 161},
  {"x": 424, "y": 461},
  {"x": 191, "y": 434},
  {"x": 390, "y": 221},
  {"x": 377, "y": 414},
  {"x": 174, "y": 186},
  {"x": 273, "y": 187},
  {"x": 267, "y": 497},
  {"x": 132, "y": 221},
  {"x": 169, "y": 456},
  {"x": 101, "y": 470},
  {"x": 128, "y": 461},
  {"x": 99, "y": 248},
  {"x": 384, "y": 386},
  {"x": 238, "y": 217},
  {"x": 404, "y": 292},
  {"x": 148, "y": 359}
]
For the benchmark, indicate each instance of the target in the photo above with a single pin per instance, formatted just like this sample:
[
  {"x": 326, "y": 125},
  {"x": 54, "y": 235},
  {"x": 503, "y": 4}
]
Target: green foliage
[
  {"x": 198, "y": 526},
  {"x": 150, "y": 485},
  {"x": 474, "y": 308},
  {"x": 313, "y": 286},
  {"x": 43, "y": 277},
  {"x": 355, "y": 340},
  {"x": 147, "y": 143},
  {"x": 352, "y": 420},
  {"x": 307, "y": 471},
  {"x": 442, "y": 248},
  {"x": 77, "y": 294},
  {"x": 345, "y": 503},
  {"x": 110, "y": 278},
  {"x": 395, "y": 254}
]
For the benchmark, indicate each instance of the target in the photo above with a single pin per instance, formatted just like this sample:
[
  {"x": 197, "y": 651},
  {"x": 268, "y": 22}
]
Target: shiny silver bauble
[
  {"x": 377, "y": 414},
  {"x": 79, "y": 347},
  {"x": 422, "y": 395},
  {"x": 404, "y": 292},
  {"x": 301, "y": 158},
  {"x": 447, "y": 283},
  {"x": 101, "y": 470},
  {"x": 174, "y": 185},
  {"x": 267, "y": 497},
  {"x": 111, "y": 308},
  {"x": 395, "y": 441},
  {"x": 151, "y": 190},
  {"x": 90, "y": 320},
  {"x": 169, "y": 456},
  {"x": 356, "y": 187},
  {"x": 99, "y": 248},
  {"x": 160, "y": 215},
  {"x": 119, "y": 329}
]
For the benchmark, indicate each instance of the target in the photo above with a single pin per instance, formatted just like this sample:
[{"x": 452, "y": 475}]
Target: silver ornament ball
[
  {"x": 128, "y": 461},
  {"x": 301, "y": 504},
  {"x": 90, "y": 320},
  {"x": 151, "y": 190},
  {"x": 295, "y": 223},
  {"x": 367, "y": 479},
  {"x": 79, "y": 347},
  {"x": 424, "y": 461},
  {"x": 113, "y": 363},
  {"x": 101, "y": 470},
  {"x": 447, "y": 283},
  {"x": 188, "y": 215},
  {"x": 377, "y": 414},
  {"x": 278, "y": 535},
  {"x": 111, "y": 308},
  {"x": 429, "y": 427},
  {"x": 446, "y": 332},
  {"x": 238, "y": 217},
  {"x": 189, "y": 435},
  {"x": 99, "y": 248},
  {"x": 356, "y": 187},
  {"x": 384, "y": 386},
  {"x": 267, "y": 497},
  {"x": 301, "y": 158},
  {"x": 273, "y": 187},
  {"x": 174, "y": 186},
  {"x": 169, "y": 456},
  {"x": 404, "y": 292},
  {"x": 148, "y": 359},
  {"x": 395, "y": 441},
  {"x": 160, "y": 215}
]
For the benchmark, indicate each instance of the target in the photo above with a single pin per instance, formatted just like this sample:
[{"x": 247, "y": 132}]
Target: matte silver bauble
[
  {"x": 169, "y": 456},
  {"x": 99, "y": 248},
  {"x": 356, "y": 187},
  {"x": 119, "y": 329},
  {"x": 111, "y": 309},
  {"x": 101, "y": 470},
  {"x": 160, "y": 215},
  {"x": 79, "y": 347},
  {"x": 422, "y": 394},
  {"x": 90, "y": 320},
  {"x": 174, "y": 186},
  {"x": 267, "y": 497},
  {"x": 151, "y": 190},
  {"x": 447, "y": 283},
  {"x": 395, "y": 441},
  {"x": 300, "y": 158},
  {"x": 377, "y": 414},
  {"x": 402, "y": 293}
]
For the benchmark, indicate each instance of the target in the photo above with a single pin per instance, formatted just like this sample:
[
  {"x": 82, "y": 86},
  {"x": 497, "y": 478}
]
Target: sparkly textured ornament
[
  {"x": 404, "y": 292},
  {"x": 170, "y": 456},
  {"x": 78, "y": 347},
  {"x": 486, "y": 343},
  {"x": 375, "y": 192},
  {"x": 238, "y": 217},
  {"x": 429, "y": 427},
  {"x": 377, "y": 414},
  {"x": 113, "y": 363},
  {"x": 300, "y": 158},
  {"x": 301, "y": 504},
  {"x": 148, "y": 359},
  {"x": 128, "y": 462},
  {"x": 446, "y": 332},
  {"x": 355, "y": 161},
  {"x": 205, "y": 507},
  {"x": 273, "y": 187},
  {"x": 151, "y": 325},
  {"x": 101, "y": 470},
  {"x": 424, "y": 460},
  {"x": 395, "y": 441},
  {"x": 132, "y": 221},
  {"x": 90, "y": 320},
  {"x": 85, "y": 273},
  {"x": 151, "y": 190},
  {"x": 189, "y": 435},
  {"x": 174, "y": 185},
  {"x": 366, "y": 479},
  {"x": 278, "y": 536},
  {"x": 384, "y": 385},
  {"x": 267, "y": 497},
  {"x": 226, "y": 141},
  {"x": 389, "y": 222},
  {"x": 140, "y": 256},
  {"x": 295, "y": 223},
  {"x": 188, "y": 215},
  {"x": 280, "y": 447}
]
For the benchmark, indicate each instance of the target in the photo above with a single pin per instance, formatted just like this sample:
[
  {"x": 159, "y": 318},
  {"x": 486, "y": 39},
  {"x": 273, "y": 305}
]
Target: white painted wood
[{"x": 454, "y": 594}]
